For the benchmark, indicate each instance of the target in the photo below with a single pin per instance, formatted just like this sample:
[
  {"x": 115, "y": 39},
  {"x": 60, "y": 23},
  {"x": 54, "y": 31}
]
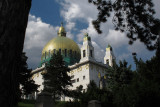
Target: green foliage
[
  {"x": 69, "y": 104},
  {"x": 94, "y": 93},
  {"x": 24, "y": 77},
  {"x": 127, "y": 88},
  {"x": 21, "y": 104},
  {"x": 124, "y": 88},
  {"x": 76, "y": 94},
  {"x": 147, "y": 82},
  {"x": 26, "y": 103},
  {"x": 24, "y": 83},
  {"x": 56, "y": 79},
  {"x": 119, "y": 76},
  {"x": 135, "y": 17}
]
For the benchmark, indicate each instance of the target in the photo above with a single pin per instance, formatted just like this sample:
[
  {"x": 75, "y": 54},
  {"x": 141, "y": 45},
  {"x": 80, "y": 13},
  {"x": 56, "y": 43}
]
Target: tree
[
  {"x": 135, "y": 17},
  {"x": 90, "y": 94},
  {"x": 76, "y": 94},
  {"x": 25, "y": 80},
  {"x": 144, "y": 89},
  {"x": 13, "y": 23},
  {"x": 119, "y": 77},
  {"x": 94, "y": 93},
  {"x": 56, "y": 79},
  {"x": 149, "y": 70}
]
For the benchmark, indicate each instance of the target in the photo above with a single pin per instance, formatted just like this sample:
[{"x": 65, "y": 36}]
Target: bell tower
[
  {"x": 109, "y": 56},
  {"x": 87, "y": 50}
]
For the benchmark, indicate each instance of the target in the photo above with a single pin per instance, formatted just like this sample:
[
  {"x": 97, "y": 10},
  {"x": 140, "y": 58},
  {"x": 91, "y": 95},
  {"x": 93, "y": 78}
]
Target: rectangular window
[
  {"x": 77, "y": 79},
  {"x": 54, "y": 51},
  {"x": 75, "y": 53},
  {"x": 60, "y": 51},
  {"x": 72, "y": 76},
  {"x": 65, "y": 52},
  {"x": 73, "y": 81},
  {"x": 71, "y": 53},
  {"x": 84, "y": 53},
  {"x": 84, "y": 90},
  {"x": 107, "y": 61},
  {"x": 83, "y": 77},
  {"x": 91, "y": 53}
]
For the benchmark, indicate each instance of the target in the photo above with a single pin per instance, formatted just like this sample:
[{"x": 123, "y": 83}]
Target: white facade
[{"x": 83, "y": 72}]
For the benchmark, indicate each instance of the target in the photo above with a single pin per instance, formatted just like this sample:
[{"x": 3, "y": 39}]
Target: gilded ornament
[
  {"x": 37, "y": 74},
  {"x": 99, "y": 75},
  {"x": 87, "y": 66},
  {"x": 80, "y": 68},
  {"x": 33, "y": 76},
  {"x": 72, "y": 72},
  {"x": 105, "y": 77}
]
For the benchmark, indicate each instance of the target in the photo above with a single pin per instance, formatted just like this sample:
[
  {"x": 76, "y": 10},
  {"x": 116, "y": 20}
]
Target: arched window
[
  {"x": 65, "y": 52},
  {"x": 60, "y": 51},
  {"x": 91, "y": 53},
  {"x": 75, "y": 53},
  {"x": 71, "y": 53},
  {"x": 84, "y": 53},
  {"x": 107, "y": 61},
  {"x": 54, "y": 51}
]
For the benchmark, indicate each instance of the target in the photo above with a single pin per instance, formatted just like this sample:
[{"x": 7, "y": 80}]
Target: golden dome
[
  {"x": 62, "y": 43},
  {"x": 67, "y": 47}
]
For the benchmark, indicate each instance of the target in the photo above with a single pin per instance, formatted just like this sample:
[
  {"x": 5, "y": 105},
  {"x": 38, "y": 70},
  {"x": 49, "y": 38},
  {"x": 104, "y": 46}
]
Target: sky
[{"x": 45, "y": 18}]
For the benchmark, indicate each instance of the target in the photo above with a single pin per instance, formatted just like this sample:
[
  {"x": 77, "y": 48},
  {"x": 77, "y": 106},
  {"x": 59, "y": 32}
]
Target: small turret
[
  {"x": 109, "y": 56},
  {"x": 87, "y": 50}
]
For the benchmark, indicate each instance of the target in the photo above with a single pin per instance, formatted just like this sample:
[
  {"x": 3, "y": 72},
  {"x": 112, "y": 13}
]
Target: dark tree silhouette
[
  {"x": 56, "y": 79},
  {"x": 26, "y": 83},
  {"x": 13, "y": 23},
  {"x": 135, "y": 17}
]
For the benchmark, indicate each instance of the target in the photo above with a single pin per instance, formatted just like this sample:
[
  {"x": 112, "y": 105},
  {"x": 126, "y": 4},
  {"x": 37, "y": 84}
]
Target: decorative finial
[
  {"x": 61, "y": 23},
  {"x": 61, "y": 31},
  {"x": 109, "y": 45},
  {"x": 86, "y": 34}
]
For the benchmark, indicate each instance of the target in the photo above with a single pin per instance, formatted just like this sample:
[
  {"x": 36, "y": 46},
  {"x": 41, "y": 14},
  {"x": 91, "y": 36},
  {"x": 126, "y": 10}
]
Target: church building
[{"x": 82, "y": 63}]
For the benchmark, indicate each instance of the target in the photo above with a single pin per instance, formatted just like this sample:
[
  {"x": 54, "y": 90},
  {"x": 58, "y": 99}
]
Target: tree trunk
[{"x": 13, "y": 23}]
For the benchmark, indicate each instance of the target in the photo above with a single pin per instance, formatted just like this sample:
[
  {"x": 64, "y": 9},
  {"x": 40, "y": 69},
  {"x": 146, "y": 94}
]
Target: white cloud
[
  {"x": 123, "y": 56},
  {"x": 99, "y": 53},
  {"x": 38, "y": 34},
  {"x": 74, "y": 11},
  {"x": 77, "y": 9},
  {"x": 116, "y": 38},
  {"x": 70, "y": 26},
  {"x": 157, "y": 8}
]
